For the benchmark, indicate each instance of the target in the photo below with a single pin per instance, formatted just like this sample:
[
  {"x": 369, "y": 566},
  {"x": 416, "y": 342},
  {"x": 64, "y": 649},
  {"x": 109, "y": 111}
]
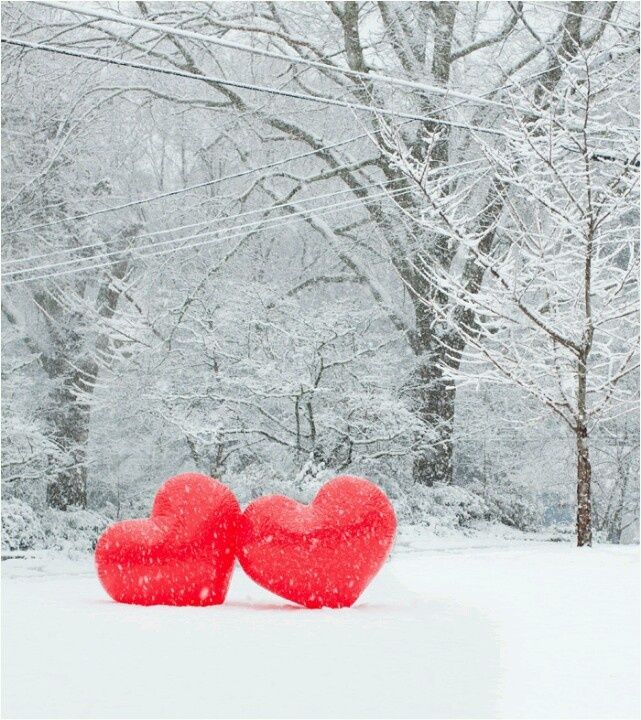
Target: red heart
[
  {"x": 323, "y": 554},
  {"x": 182, "y": 555}
]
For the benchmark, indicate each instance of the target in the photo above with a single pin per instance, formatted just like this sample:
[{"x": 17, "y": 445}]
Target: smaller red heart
[
  {"x": 182, "y": 555},
  {"x": 323, "y": 554}
]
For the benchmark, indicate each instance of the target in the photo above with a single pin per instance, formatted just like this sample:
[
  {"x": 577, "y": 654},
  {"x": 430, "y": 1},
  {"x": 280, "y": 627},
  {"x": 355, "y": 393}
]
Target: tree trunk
[
  {"x": 435, "y": 397},
  {"x": 70, "y": 421},
  {"x": 583, "y": 467},
  {"x": 70, "y": 415},
  {"x": 583, "y": 489},
  {"x": 66, "y": 487}
]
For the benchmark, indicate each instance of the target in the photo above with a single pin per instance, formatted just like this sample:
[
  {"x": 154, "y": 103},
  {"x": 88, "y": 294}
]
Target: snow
[{"x": 472, "y": 627}]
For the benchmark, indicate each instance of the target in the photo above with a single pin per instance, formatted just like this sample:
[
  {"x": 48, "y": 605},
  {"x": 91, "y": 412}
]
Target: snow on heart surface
[
  {"x": 183, "y": 554},
  {"x": 323, "y": 554}
]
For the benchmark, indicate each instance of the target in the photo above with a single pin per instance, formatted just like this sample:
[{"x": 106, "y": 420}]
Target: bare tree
[
  {"x": 404, "y": 40},
  {"x": 195, "y": 268},
  {"x": 550, "y": 304}
]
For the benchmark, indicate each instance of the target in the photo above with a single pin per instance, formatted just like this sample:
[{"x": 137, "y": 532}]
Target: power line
[
  {"x": 377, "y": 77},
  {"x": 275, "y": 221},
  {"x": 580, "y": 15},
  {"x": 222, "y": 81},
  {"x": 346, "y": 204},
  {"x": 209, "y": 221},
  {"x": 229, "y": 177},
  {"x": 321, "y": 99},
  {"x": 350, "y": 202},
  {"x": 207, "y": 183},
  {"x": 176, "y": 229},
  {"x": 218, "y": 180},
  {"x": 250, "y": 112},
  {"x": 80, "y": 248},
  {"x": 188, "y": 188}
]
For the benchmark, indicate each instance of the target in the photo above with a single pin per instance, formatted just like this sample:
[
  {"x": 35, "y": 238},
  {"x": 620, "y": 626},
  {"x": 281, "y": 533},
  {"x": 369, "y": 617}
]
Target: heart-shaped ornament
[
  {"x": 323, "y": 554},
  {"x": 183, "y": 554}
]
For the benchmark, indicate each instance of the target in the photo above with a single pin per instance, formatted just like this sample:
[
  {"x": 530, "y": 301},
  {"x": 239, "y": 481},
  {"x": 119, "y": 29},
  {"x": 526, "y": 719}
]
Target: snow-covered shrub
[
  {"x": 512, "y": 503},
  {"x": 101, "y": 494},
  {"x": 21, "y": 528},
  {"x": 522, "y": 512},
  {"x": 253, "y": 482},
  {"x": 310, "y": 479},
  {"x": 441, "y": 506},
  {"x": 27, "y": 455},
  {"x": 76, "y": 530}
]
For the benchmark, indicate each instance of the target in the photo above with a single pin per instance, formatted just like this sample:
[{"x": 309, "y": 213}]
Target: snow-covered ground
[{"x": 464, "y": 628}]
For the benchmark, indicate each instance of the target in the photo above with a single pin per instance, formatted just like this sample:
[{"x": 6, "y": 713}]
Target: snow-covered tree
[{"x": 544, "y": 294}]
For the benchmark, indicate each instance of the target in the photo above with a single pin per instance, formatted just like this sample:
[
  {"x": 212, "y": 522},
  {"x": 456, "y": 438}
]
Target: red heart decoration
[
  {"x": 182, "y": 555},
  {"x": 323, "y": 554}
]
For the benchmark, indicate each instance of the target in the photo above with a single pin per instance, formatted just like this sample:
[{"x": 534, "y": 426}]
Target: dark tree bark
[
  {"x": 583, "y": 467},
  {"x": 583, "y": 489}
]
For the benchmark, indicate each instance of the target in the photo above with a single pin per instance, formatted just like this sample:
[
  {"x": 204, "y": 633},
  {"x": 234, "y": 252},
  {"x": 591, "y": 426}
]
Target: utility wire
[
  {"x": 300, "y": 215},
  {"x": 350, "y": 202},
  {"x": 176, "y": 229},
  {"x": 555, "y": 9},
  {"x": 368, "y": 76},
  {"x": 210, "y": 182},
  {"x": 321, "y": 99},
  {"x": 209, "y": 221},
  {"x": 207, "y": 183},
  {"x": 236, "y": 118}
]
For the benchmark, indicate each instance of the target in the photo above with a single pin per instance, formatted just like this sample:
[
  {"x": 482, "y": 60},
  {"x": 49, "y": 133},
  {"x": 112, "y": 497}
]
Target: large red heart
[
  {"x": 323, "y": 554},
  {"x": 182, "y": 555}
]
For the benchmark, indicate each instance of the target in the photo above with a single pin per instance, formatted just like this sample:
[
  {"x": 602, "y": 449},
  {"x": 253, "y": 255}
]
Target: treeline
[{"x": 430, "y": 280}]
